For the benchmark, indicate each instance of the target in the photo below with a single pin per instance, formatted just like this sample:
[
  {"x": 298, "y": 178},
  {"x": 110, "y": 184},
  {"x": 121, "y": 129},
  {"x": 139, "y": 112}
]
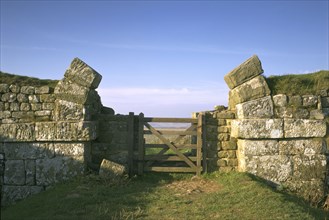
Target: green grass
[
  {"x": 11, "y": 79},
  {"x": 164, "y": 196},
  {"x": 299, "y": 84}
]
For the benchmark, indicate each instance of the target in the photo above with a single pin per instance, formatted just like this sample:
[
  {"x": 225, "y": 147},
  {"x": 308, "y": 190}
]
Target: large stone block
[
  {"x": 82, "y": 74},
  {"x": 69, "y": 91},
  {"x": 70, "y": 149},
  {"x": 259, "y": 108},
  {"x": 276, "y": 168},
  {"x": 303, "y": 146},
  {"x": 258, "y": 147},
  {"x": 14, "y": 172},
  {"x": 65, "y": 110},
  {"x": 308, "y": 167},
  {"x": 247, "y": 70},
  {"x": 57, "y": 169},
  {"x": 66, "y": 131},
  {"x": 253, "y": 89},
  {"x": 304, "y": 128},
  {"x": 17, "y": 132},
  {"x": 257, "y": 128},
  {"x": 26, "y": 150}
]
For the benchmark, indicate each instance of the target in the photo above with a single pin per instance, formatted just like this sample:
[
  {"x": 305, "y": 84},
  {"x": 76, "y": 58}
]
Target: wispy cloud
[{"x": 31, "y": 48}]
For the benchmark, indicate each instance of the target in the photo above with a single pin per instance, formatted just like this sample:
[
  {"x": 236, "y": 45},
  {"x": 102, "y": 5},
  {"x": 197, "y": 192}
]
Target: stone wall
[
  {"x": 46, "y": 135},
  {"x": 280, "y": 138}
]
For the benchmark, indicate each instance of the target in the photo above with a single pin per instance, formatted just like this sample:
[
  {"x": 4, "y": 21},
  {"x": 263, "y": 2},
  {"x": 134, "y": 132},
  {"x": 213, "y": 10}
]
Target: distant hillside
[
  {"x": 26, "y": 80},
  {"x": 299, "y": 84}
]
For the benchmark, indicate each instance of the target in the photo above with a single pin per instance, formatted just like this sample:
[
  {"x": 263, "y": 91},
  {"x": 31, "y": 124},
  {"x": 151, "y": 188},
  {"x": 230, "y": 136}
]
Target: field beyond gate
[{"x": 175, "y": 150}]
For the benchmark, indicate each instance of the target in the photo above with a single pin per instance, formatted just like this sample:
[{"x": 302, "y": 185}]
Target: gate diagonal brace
[
  {"x": 170, "y": 145},
  {"x": 163, "y": 151}
]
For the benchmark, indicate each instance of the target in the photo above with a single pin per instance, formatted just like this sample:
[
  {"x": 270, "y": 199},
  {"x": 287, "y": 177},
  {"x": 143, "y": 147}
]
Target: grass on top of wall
[
  {"x": 12, "y": 79},
  {"x": 299, "y": 84},
  {"x": 164, "y": 196}
]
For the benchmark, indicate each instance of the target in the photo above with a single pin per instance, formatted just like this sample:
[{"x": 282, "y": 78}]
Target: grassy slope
[
  {"x": 235, "y": 196},
  {"x": 25, "y": 80},
  {"x": 300, "y": 84}
]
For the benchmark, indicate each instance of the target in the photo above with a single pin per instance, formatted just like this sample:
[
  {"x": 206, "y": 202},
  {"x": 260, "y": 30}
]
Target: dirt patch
[{"x": 193, "y": 186}]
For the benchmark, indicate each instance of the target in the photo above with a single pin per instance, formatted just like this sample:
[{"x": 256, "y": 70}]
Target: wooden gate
[{"x": 176, "y": 150}]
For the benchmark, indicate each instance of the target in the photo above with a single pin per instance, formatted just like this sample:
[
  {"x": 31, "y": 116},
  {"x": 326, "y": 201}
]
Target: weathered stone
[
  {"x": 14, "y": 106},
  {"x": 222, "y": 163},
  {"x": 224, "y": 129},
  {"x": 317, "y": 114},
  {"x": 257, "y": 128},
  {"x": 17, "y": 132},
  {"x": 280, "y": 100},
  {"x": 303, "y": 146},
  {"x": 5, "y": 114},
  {"x": 70, "y": 149},
  {"x": 229, "y": 145},
  {"x": 34, "y": 99},
  {"x": 220, "y": 108},
  {"x": 14, "y": 88},
  {"x": 291, "y": 112},
  {"x": 36, "y": 106},
  {"x": 82, "y": 74},
  {"x": 8, "y": 121},
  {"x": 304, "y": 128},
  {"x": 310, "y": 100},
  {"x": 4, "y": 88},
  {"x": 308, "y": 167},
  {"x": 57, "y": 169},
  {"x": 223, "y": 137},
  {"x": 226, "y": 115},
  {"x": 72, "y": 92},
  {"x": 258, "y": 147},
  {"x": 325, "y": 112},
  {"x": 42, "y": 90},
  {"x": 30, "y": 172},
  {"x": 275, "y": 168},
  {"x": 8, "y": 97},
  {"x": 22, "y": 97},
  {"x": 221, "y": 122},
  {"x": 295, "y": 101},
  {"x": 28, "y": 151},
  {"x": 14, "y": 172},
  {"x": 232, "y": 162},
  {"x": 323, "y": 92},
  {"x": 15, "y": 193},
  {"x": 325, "y": 102},
  {"x": 43, "y": 113},
  {"x": 247, "y": 70},
  {"x": 28, "y": 116},
  {"x": 47, "y": 98},
  {"x": 259, "y": 108},
  {"x": 27, "y": 90},
  {"x": 48, "y": 106},
  {"x": 65, "y": 110},
  {"x": 111, "y": 169},
  {"x": 66, "y": 131},
  {"x": 253, "y": 89}
]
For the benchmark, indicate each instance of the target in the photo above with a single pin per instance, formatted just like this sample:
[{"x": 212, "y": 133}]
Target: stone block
[
  {"x": 253, "y": 89},
  {"x": 275, "y": 168},
  {"x": 30, "y": 172},
  {"x": 65, "y": 110},
  {"x": 247, "y": 70},
  {"x": 9, "y": 97},
  {"x": 17, "y": 132},
  {"x": 259, "y": 108},
  {"x": 325, "y": 102},
  {"x": 317, "y": 114},
  {"x": 72, "y": 92},
  {"x": 66, "y": 131},
  {"x": 48, "y": 106},
  {"x": 22, "y": 97},
  {"x": 294, "y": 128},
  {"x": 258, "y": 147},
  {"x": 58, "y": 169},
  {"x": 28, "y": 151},
  {"x": 14, "y": 106},
  {"x": 257, "y": 128},
  {"x": 110, "y": 169},
  {"x": 221, "y": 122},
  {"x": 291, "y": 112},
  {"x": 224, "y": 129},
  {"x": 295, "y": 101},
  {"x": 28, "y": 116},
  {"x": 223, "y": 137},
  {"x": 34, "y": 98},
  {"x": 4, "y": 88},
  {"x": 226, "y": 115},
  {"x": 222, "y": 163},
  {"x": 43, "y": 113},
  {"x": 47, "y": 98},
  {"x": 302, "y": 147},
  {"x": 310, "y": 100},
  {"x": 5, "y": 114},
  {"x": 70, "y": 149},
  {"x": 82, "y": 74},
  {"x": 14, "y": 88},
  {"x": 232, "y": 162},
  {"x": 280, "y": 100},
  {"x": 27, "y": 90},
  {"x": 229, "y": 145},
  {"x": 36, "y": 106},
  {"x": 42, "y": 90},
  {"x": 308, "y": 167},
  {"x": 14, "y": 172}
]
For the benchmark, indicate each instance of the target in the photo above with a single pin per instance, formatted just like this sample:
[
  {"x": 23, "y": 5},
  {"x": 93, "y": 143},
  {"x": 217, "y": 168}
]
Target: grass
[
  {"x": 299, "y": 84},
  {"x": 164, "y": 196},
  {"x": 11, "y": 79}
]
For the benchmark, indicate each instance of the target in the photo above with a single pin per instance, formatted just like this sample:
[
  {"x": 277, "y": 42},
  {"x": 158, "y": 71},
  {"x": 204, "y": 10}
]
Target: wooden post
[
  {"x": 141, "y": 149},
  {"x": 199, "y": 145},
  {"x": 131, "y": 144},
  {"x": 204, "y": 144}
]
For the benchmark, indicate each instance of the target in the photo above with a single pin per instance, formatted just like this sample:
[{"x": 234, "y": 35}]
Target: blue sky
[{"x": 163, "y": 58}]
